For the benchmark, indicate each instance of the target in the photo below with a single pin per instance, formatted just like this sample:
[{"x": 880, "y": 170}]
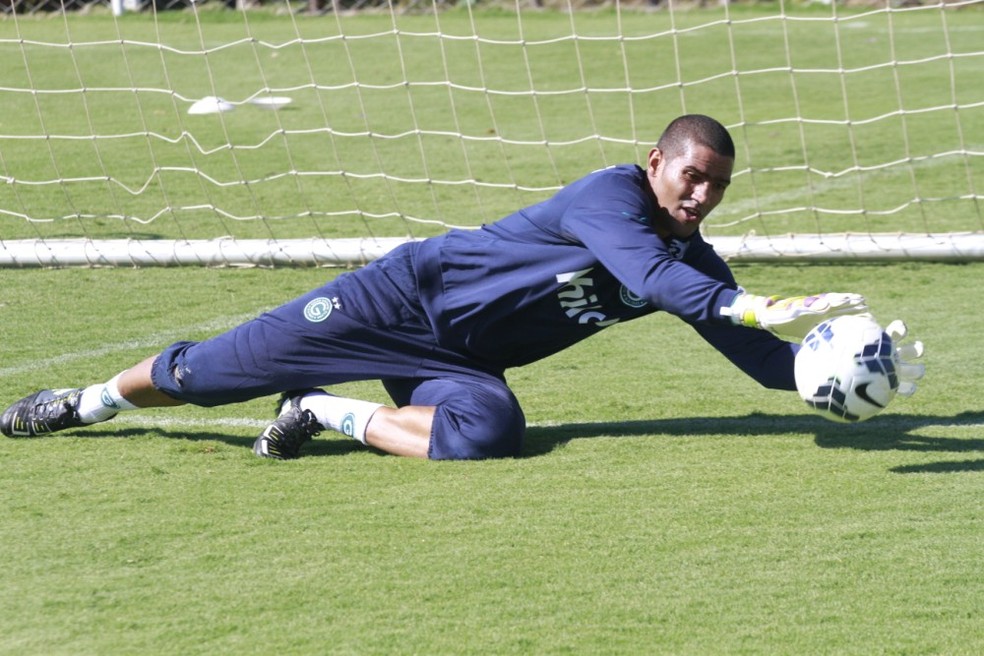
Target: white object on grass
[
  {"x": 271, "y": 102},
  {"x": 211, "y": 105}
]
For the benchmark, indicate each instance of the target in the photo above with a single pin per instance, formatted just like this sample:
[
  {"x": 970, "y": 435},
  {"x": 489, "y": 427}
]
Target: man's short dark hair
[{"x": 695, "y": 129}]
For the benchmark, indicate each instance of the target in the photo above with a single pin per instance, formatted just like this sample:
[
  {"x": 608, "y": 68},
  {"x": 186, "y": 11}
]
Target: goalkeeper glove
[
  {"x": 792, "y": 318},
  {"x": 908, "y": 372}
]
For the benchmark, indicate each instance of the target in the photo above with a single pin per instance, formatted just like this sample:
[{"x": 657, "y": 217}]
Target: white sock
[
  {"x": 102, "y": 402},
  {"x": 347, "y": 416}
]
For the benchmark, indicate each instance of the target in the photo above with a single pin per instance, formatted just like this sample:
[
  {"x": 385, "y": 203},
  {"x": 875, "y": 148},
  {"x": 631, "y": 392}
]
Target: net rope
[{"x": 852, "y": 125}]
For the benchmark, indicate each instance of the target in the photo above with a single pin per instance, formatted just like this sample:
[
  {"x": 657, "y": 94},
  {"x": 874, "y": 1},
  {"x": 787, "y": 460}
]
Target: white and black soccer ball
[{"x": 847, "y": 369}]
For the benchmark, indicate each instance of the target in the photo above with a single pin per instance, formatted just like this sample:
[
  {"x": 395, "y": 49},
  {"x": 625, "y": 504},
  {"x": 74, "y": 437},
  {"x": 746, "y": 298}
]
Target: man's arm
[
  {"x": 764, "y": 357},
  {"x": 609, "y": 217}
]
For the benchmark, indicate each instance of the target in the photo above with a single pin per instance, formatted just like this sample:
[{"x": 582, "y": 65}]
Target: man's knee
[
  {"x": 201, "y": 374},
  {"x": 464, "y": 430},
  {"x": 472, "y": 420}
]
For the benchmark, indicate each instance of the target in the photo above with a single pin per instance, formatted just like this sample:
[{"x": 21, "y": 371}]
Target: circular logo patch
[
  {"x": 318, "y": 309},
  {"x": 348, "y": 425},
  {"x": 630, "y": 299}
]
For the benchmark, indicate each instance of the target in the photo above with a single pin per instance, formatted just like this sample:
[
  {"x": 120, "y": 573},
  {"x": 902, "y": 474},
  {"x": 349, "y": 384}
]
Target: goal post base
[
  {"x": 853, "y": 247},
  {"x": 227, "y": 252}
]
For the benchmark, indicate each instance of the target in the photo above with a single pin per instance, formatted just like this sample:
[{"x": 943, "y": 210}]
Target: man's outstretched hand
[{"x": 792, "y": 318}]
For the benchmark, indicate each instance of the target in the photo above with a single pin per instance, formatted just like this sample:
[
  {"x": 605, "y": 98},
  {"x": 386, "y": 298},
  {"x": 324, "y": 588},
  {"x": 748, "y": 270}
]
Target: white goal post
[{"x": 267, "y": 134}]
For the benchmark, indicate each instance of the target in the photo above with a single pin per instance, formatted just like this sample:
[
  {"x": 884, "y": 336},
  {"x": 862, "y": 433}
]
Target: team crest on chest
[
  {"x": 630, "y": 298},
  {"x": 677, "y": 248}
]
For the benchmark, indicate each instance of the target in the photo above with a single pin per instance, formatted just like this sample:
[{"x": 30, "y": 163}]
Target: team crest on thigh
[{"x": 319, "y": 309}]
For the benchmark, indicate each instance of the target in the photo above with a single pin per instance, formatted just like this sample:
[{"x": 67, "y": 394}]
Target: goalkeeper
[{"x": 439, "y": 321}]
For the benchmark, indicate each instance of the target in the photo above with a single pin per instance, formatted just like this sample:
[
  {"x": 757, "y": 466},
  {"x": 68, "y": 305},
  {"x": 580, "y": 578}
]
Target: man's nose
[{"x": 700, "y": 192}]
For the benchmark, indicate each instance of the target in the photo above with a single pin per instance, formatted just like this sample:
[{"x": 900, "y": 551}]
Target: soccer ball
[{"x": 846, "y": 370}]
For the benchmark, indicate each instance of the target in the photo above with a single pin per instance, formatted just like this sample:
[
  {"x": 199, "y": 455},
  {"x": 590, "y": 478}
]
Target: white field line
[
  {"x": 226, "y": 421},
  {"x": 800, "y": 194},
  {"x": 796, "y": 423},
  {"x": 152, "y": 342},
  {"x": 876, "y": 27}
]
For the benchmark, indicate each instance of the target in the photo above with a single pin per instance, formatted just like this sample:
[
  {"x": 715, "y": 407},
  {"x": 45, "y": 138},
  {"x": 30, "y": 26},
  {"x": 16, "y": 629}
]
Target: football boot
[
  {"x": 282, "y": 440},
  {"x": 41, "y": 413}
]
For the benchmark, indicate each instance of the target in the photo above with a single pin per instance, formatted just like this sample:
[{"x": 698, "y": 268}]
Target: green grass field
[
  {"x": 893, "y": 106},
  {"x": 663, "y": 503}
]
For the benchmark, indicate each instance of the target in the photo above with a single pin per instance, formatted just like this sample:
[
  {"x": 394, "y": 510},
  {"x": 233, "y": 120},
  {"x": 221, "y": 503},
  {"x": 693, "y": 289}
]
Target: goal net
[{"x": 298, "y": 134}]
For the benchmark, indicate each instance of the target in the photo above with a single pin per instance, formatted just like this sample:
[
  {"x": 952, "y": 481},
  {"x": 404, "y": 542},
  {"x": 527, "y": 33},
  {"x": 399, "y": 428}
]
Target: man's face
[{"x": 687, "y": 186}]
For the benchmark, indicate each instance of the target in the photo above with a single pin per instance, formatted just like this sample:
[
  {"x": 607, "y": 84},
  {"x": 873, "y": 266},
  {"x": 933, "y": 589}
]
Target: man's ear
[{"x": 655, "y": 157}]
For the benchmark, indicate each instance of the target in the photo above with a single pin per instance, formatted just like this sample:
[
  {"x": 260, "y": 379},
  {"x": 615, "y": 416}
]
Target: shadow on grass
[
  {"x": 317, "y": 447},
  {"x": 889, "y": 433},
  {"x": 893, "y": 432}
]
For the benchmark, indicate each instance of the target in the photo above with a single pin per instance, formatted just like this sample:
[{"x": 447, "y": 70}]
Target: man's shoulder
[
  {"x": 624, "y": 172},
  {"x": 624, "y": 184}
]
